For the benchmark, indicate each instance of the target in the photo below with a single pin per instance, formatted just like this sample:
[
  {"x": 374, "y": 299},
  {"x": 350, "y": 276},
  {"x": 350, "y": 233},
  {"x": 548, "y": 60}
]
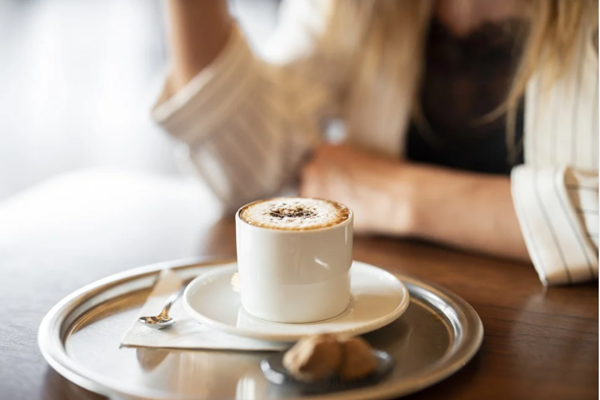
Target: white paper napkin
[{"x": 186, "y": 333}]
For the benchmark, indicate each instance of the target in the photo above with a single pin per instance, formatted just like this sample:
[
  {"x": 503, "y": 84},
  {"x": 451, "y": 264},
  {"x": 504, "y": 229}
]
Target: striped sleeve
[
  {"x": 555, "y": 193},
  {"x": 557, "y": 208},
  {"x": 178, "y": 113},
  {"x": 246, "y": 123}
]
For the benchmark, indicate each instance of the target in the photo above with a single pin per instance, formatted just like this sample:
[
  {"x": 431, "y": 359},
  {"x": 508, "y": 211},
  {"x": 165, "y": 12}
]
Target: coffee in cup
[{"x": 294, "y": 257}]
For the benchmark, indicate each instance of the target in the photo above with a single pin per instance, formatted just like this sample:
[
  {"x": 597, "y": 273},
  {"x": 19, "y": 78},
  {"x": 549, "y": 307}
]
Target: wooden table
[{"x": 539, "y": 343}]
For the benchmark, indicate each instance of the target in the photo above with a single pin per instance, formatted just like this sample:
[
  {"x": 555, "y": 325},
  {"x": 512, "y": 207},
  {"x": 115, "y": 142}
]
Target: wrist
[
  {"x": 424, "y": 195},
  {"x": 394, "y": 202},
  {"x": 411, "y": 194}
]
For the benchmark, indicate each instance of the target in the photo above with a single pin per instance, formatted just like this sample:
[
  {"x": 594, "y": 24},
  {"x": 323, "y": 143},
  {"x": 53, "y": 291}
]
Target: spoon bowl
[
  {"x": 157, "y": 322},
  {"x": 162, "y": 320}
]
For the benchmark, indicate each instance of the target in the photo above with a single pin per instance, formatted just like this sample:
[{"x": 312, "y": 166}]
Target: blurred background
[{"x": 78, "y": 79}]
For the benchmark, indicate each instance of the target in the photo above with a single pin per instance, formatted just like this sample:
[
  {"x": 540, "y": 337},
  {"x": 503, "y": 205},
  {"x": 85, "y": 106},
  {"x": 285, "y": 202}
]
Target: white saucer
[{"x": 378, "y": 298}]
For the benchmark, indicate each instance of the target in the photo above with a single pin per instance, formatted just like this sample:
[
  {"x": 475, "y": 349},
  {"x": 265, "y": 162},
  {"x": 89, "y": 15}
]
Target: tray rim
[{"x": 51, "y": 338}]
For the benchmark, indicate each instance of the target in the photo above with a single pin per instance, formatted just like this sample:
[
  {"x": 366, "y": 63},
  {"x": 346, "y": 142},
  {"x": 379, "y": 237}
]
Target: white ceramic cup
[{"x": 294, "y": 276}]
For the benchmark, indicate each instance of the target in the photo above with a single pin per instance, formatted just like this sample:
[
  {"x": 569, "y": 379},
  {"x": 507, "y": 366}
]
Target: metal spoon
[{"x": 162, "y": 320}]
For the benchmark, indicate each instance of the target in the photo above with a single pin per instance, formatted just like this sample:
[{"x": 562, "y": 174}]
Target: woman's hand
[{"x": 368, "y": 184}]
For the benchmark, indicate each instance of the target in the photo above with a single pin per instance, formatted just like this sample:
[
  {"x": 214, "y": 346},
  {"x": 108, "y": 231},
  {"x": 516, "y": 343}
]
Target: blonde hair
[{"x": 387, "y": 53}]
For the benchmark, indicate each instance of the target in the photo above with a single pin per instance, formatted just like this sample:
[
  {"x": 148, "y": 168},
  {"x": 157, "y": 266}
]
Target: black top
[{"x": 465, "y": 79}]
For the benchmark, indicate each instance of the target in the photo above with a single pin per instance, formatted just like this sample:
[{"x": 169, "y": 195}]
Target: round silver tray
[{"x": 80, "y": 338}]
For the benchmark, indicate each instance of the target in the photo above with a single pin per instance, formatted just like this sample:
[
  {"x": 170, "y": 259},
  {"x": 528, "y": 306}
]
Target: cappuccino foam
[{"x": 294, "y": 213}]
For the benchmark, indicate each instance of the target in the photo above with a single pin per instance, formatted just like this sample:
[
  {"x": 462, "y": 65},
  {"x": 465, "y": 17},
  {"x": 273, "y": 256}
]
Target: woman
[{"x": 472, "y": 123}]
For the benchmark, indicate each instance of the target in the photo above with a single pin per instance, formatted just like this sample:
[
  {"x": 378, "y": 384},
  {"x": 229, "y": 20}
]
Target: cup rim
[{"x": 289, "y": 231}]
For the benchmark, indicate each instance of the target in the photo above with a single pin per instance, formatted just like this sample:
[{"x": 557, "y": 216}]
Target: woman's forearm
[
  {"x": 467, "y": 210},
  {"x": 461, "y": 209},
  {"x": 198, "y": 31}
]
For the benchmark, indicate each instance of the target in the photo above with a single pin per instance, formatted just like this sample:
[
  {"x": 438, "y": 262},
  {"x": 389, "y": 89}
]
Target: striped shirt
[{"x": 248, "y": 121}]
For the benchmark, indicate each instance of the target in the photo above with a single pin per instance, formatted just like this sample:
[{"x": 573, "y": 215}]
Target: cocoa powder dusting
[{"x": 292, "y": 211}]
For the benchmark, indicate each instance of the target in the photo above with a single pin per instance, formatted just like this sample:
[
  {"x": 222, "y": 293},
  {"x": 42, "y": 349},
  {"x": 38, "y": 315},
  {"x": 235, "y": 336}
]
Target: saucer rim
[{"x": 231, "y": 268}]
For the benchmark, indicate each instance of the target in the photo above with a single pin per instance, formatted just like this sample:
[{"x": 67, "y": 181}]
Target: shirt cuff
[
  {"x": 207, "y": 100},
  {"x": 556, "y": 237}
]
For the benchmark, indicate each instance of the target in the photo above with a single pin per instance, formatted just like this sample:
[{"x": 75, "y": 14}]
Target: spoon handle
[{"x": 171, "y": 300}]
